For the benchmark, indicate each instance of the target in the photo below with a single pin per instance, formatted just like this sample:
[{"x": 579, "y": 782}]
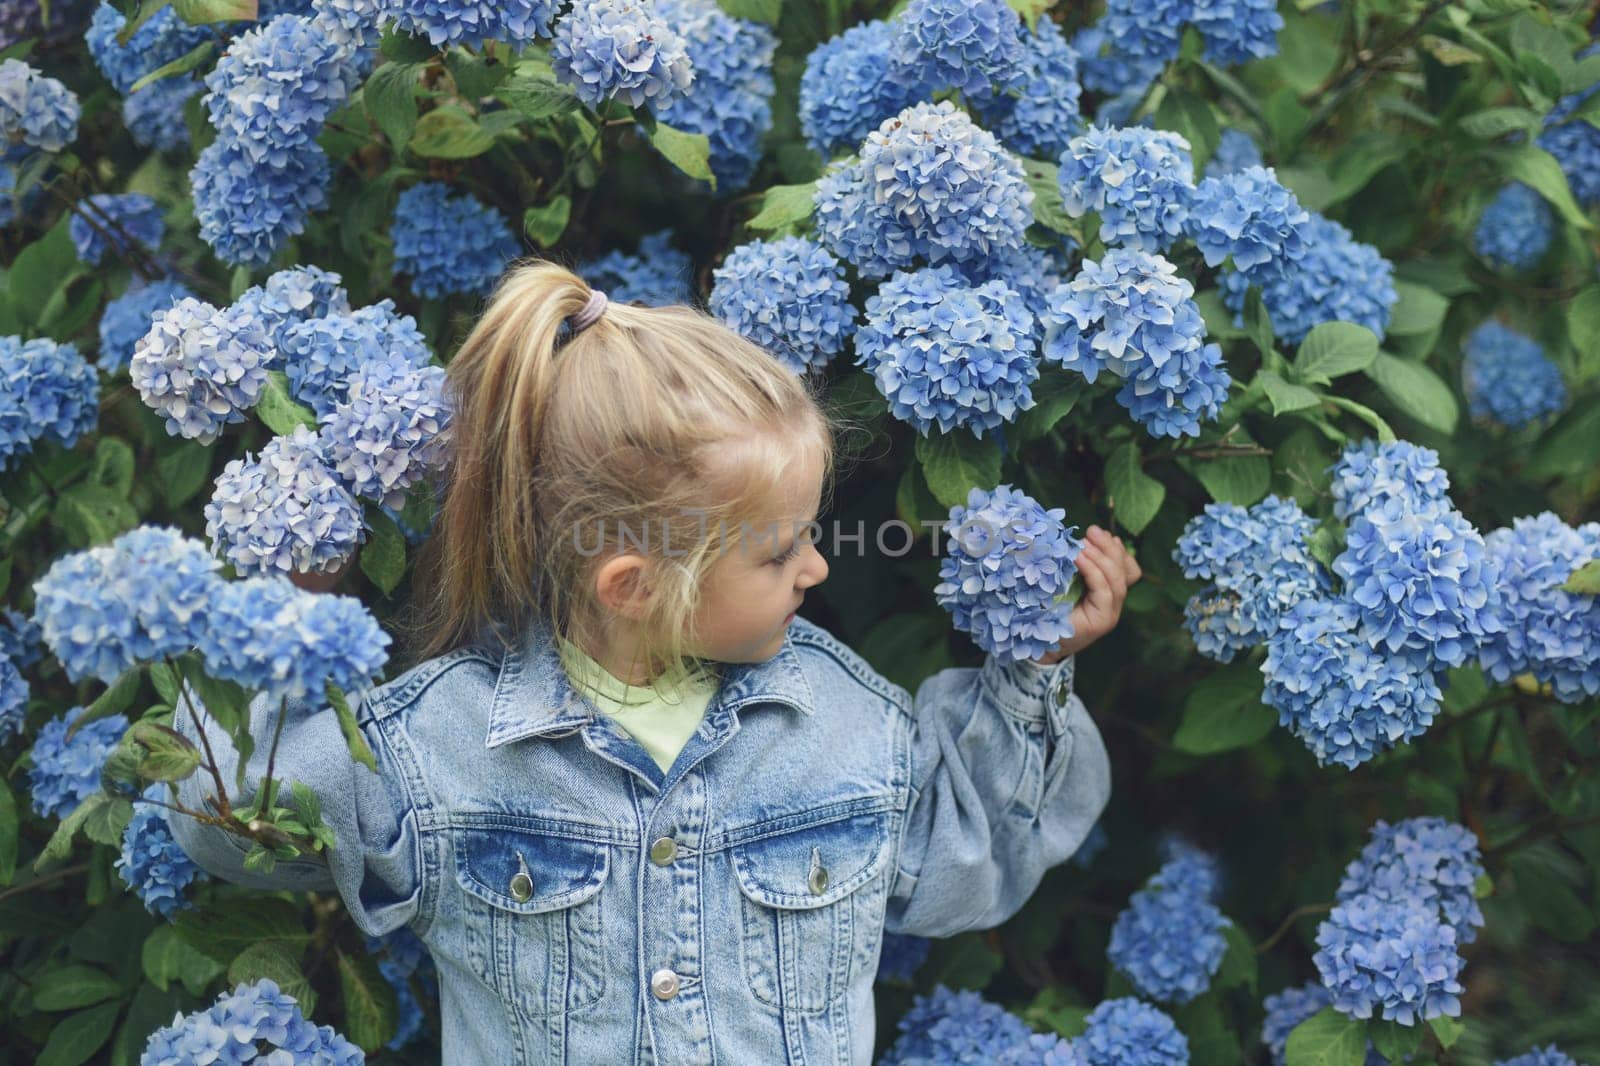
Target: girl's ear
[{"x": 622, "y": 585}]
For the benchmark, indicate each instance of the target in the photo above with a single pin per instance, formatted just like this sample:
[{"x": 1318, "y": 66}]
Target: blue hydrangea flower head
[
  {"x": 472, "y": 22},
  {"x": 154, "y": 114},
  {"x": 320, "y": 354},
  {"x": 36, "y": 111},
  {"x": 255, "y": 1022},
  {"x": 1369, "y": 474},
  {"x": 275, "y": 86},
  {"x": 83, "y": 617},
  {"x": 247, "y": 209},
  {"x": 967, "y": 45},
  {"x": 1031, "y": 272},
  {"x": 1514, "y": 231},
  {"x": 657, "y": 275},
  {"x": 855, "y": 227},
  {"x": 1549, "y": 1055},
  {"x": 1344, "y": 698},
  {"x": 65, "y": 772},
  {"x": 1150, "y": 31},
  {"x": 21, "y": 638},
  {"x": 1574, "y": 142},
  {"x": 950, "y": 1027},
  {"x": 284, "y": 512},
  {"x": 849, "y": 88},
  {"x": 1041, "y": 115},
  {"x": 449, "y": 243},
  {"x": 1111, "y": 72},
  {"x": 1237, "y": 31},
  {"x": 48, "y": 391},
  {"x": 200, "y": 367},
  {"x": 1126, "y": 1031},
  {"x": 127, "y": 319},
  {"x": 730, "y": 99},
  {"x": 946, "y": 354},
  {"x": 1138, "y": 180},
  {"x": 1006, "y": 575},
  {"x": 1390, "y": 959},
  {"x": 1287, "y": 1009},
  {"x": 1426, "y": 859},
  {"x": 66, "y": 22},
  {"x": 167, "y": 579},
  {"x": 945, "y": 187},
  {"x": 152, "y": 863},
  {"x": 119, "y": 220},
  {"x": 1247, "y": 216},
  {"x": 1130, "y": 314},
  {"x": 1508, "y": 378},
  {"x": 391, "y": 432},
  {"x": 1549, "y": 632},
  {"x": 1168, "y": 941},
  {"x": 1235, "y": 151},
  {"x": 159, "y": 40},
  {"x": 620, "y": 49},
  {"x": 1339, "y": 279},
  {"x": 13, "y": 700},
  {"x": 788, "y": 295},
  {"x": 274, "y": 638},
  {"x": 901, "y": 957},
  {"x": 1423, "y": 580},
  {"x": 293, "y": 295}
]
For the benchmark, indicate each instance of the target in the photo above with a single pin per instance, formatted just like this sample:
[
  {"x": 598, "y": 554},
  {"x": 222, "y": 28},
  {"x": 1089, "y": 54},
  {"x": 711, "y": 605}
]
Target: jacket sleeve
[
  {"x": 375, "y": 863},
  {"x": 1008, "y": 775}
]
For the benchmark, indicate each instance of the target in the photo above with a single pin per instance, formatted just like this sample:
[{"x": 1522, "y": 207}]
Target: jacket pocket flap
[
  {"x": 529, "y": 872},
  {"x": 814, "y": 866}
]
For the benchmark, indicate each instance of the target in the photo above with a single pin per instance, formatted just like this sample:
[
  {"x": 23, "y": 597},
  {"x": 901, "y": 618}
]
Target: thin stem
[
  {"x": 211, "y": 760},
  {"x": 1544, "y": 827},
  {"x": 44, "y": 879},
  {"x": 1288, "y": 923},
  {"x": 272, "y": 753}
]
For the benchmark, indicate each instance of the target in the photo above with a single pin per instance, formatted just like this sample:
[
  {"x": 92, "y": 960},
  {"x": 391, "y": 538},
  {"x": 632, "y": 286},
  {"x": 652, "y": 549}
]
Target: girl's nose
[{"x": 815, "y": 571}]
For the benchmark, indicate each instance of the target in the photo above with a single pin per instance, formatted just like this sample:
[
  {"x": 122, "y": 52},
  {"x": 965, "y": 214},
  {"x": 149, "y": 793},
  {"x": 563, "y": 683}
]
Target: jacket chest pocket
[
  {"x": 809, "y": 904},
  {"x": 533, "y": 916}
]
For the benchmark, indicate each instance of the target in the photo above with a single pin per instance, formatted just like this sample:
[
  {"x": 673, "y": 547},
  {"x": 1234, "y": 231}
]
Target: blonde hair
[{"x": 559, "y": 437}]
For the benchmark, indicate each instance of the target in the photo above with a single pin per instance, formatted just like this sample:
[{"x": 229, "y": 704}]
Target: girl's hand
[{"x": 1107, "y": 570}]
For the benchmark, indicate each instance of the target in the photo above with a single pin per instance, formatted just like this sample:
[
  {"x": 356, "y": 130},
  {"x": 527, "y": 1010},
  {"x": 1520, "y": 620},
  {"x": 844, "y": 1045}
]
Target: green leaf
[
  {"x": 272, "y": 959},
  {"x": 1054, "y": 399},
  {"x": 1366, "y": 414},
  {"x": 766, "y": 11},
  {"x": 1416, "y": 391},
  {"x": 1447, "y": 1029},
  {"x": 182, "y": 65},
  {"x": 1239, "y": 964},
  {"x": 1493, "y": 122},
  {"x": 138, "y": 18},
  {"x": 1550, "y": 902},
  {"x": 1417, "y": 310},
  {"x": 72, "y": 986},
  {"x": 9, "y": 821},
  {"x": 49, "y": 263},
  {"x": 1533, "y": 38},
  {"x": 1585, "y": 580},
  {"x": 370, "y": 1008},
  {"x": 1224, "y": 712},
  {"x": 201, "y": 12},
  {"x": 114, "y": 700},
  {"x": 1333, "y": 349},
  {"x": 1327, "y": 1038},
  {"x": 1394, "y": 1041},
  {"x": 784, "y": 206},
  {"x": 105, "y": 823},
  {"x": 1583, "y": 329},
  {"x": 182, "y": 472},
  {"x": 400, "y": 47},
  {"x": 689, "y": 152},
  {"x": 1191, "y": 116},
  {"x": 546, "y": 222},
  {"x": 1258, "y": 322},
  {"x": 1286, "y": 397},
  {"x": 1048, "y": 210},
  {"x": 955, "y": 463},
  {"x": 168, "y": 754},
  {"x": 390, "y": 99},
  {"x": 277, "y": 408},
  {"x": 90, "y": 514},
  {"x": 383, "y": 556},
  {"x": 77, "y": 1037},
  {"x": 1537, "y": 168},
  {"x": 1135, "y": 495},
  {"x": 59, "y": 846},
  {"x": 359, "y": 751},
  {"x": 165, "y": 680},
  {"x": 1361, "y": 160},
  {"x": 1240, "y": 479},
  {"x": 537, "y": 95},
  {"x": 227, "y": 927},
  {"x": 450, "y": 132},
  {"x": 1568, "y": 448},
  {"x": 166, "y": 957}
]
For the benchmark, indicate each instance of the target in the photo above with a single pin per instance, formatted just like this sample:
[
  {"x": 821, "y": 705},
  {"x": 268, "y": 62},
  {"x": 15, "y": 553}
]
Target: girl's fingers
[
  {"x": 1116, "y": 576},
  {"x": 1099, "y": 598},
  {"x": 1130, "y": 565}
]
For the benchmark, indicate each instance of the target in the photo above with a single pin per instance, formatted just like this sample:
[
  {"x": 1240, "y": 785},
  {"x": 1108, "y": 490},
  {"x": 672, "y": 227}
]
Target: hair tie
[{"x": 590, "y": 314}]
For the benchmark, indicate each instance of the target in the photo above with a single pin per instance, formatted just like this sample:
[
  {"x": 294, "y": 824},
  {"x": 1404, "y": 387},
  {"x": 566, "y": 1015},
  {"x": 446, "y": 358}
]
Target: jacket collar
[{"x": 533, "y": 697}]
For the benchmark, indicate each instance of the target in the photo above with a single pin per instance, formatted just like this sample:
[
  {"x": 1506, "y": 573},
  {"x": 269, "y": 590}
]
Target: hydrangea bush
[{"x": 1300, "y": 300}]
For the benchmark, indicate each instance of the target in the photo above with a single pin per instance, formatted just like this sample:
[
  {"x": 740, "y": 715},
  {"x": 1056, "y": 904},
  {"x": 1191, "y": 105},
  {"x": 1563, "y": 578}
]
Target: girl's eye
[{"x": 793, "y": 551}]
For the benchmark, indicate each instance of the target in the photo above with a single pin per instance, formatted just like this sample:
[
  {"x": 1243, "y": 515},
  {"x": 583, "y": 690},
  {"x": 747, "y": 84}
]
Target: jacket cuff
[{"x": 1029, "y": 691}]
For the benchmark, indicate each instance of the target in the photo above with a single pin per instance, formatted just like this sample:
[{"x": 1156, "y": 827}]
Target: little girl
[{"x": 638, "y": 809}]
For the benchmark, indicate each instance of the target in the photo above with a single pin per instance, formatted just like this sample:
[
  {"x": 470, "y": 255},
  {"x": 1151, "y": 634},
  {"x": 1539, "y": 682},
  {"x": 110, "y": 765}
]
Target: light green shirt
[{"x": 661, "y": 716}]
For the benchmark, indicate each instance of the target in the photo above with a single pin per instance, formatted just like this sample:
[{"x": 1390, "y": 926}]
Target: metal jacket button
[
  {"x": 522, "y": 881},
  {"x": 1063, "y": 691},
  {"x": 663, "y": 851},
  {"x": 664, "y": 984},
  {"x": 818, "y": 879}
]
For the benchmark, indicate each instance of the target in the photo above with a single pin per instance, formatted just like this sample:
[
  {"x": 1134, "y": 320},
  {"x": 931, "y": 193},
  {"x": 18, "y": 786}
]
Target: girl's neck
[{"x": 618, "y": 654}]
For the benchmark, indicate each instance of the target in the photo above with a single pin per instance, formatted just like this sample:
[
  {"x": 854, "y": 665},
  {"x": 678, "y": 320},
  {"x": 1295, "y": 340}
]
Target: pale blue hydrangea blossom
[
  {"x": 1128, "y": 1032},
  {"x": 472, "y": 22},
  {"x": 254, "y": 1022},
  {"x": 620, "y": 49},
  {"x": 449, "y": 243},
  {"x": 1139, "y": 181},
  {"x": 293, "y": 295},
  {"x": 788, "y": 295},
  {"x": 284, "y": 512},
  {"x": 65, "y": 772},
  {"x": 1247, "y": 216},
  {"x": 246, "y": 210},
  {"x": 1369, "y": 474},
  {"x": 152, "y": 863},
  {"x": 13, "y": 700},
  {"x": 1549, "y": 632},
  {"x": 962, "y": 1027},
  {"x": 1426, "y": 859},
  {"x": 656, "y": 275},
  {"x": 948, "y": 354},
  {"x": 1508, "y": 378},
  {"x": 971, "y": 46},
  {"x": 1235, "y": 151},
  {"x": 1339, "y": 279},
  {"x": 849, "y": 87},
  {"x": 1168, "y": 941},
  {"x": 1549, "y": 1055},
  {"x": 391, "y": 432},
  {"x": 1041, "y": 114},
  {"x": 900, "y": 958},
  {"x": 36, "y": 111},
  {"x": 1394, "y": 960},
  {"x": 1006, "y": 574},
  {"x": 201, "y": 368},
  {"x": 48, "y": 391},
  {"x": 320, "y": 354},
  {"x": 128, "y": 318},
  {"x": 109, "y": 221},
  {"x": 1514, "y": 231},
  {"x": 160, "y": 39}
]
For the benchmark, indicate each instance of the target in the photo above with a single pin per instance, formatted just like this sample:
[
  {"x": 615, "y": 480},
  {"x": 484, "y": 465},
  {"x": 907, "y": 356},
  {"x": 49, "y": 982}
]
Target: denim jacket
[{"x": 583, "y": 907}]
